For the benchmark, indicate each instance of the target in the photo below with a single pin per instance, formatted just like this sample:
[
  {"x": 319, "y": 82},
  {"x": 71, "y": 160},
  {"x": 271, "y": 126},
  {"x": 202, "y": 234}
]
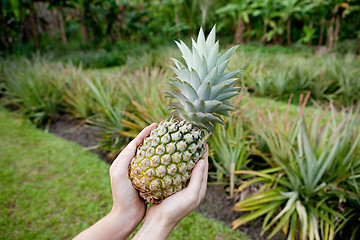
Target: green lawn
[{"x": 53, "y": 189}]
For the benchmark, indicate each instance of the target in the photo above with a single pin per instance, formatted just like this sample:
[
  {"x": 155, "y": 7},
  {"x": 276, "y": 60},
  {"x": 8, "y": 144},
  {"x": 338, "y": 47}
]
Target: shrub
[
  {"x": 231, "y": 145},
  {"x": 80, "y": 102},
  {"x": 329, "y": 78},
  {"x": 108, "y": 108},
  {"x": 144, "y": 90},
  {"x": 95, "y": 58},
  {"x": 313, "y": 169},
  {"x": 35, "y": 86}
]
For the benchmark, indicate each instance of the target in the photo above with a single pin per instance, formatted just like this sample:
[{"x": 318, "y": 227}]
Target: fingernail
[{"x": 201, "y": 163}]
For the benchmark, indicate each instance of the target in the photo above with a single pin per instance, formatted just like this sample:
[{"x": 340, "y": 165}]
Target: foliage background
[
  {"x": 113, "y": 25},
  {"x": 105, "y": 63}
]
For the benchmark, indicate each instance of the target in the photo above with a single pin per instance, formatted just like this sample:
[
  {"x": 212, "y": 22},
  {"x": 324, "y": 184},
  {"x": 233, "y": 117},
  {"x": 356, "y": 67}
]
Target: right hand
[{"x": 161, "y": 218}]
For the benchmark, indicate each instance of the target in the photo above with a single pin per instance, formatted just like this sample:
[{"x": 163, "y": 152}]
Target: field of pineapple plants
[
  {"x": 80, "y": 79},
  {"x": 289, "y": 156}
]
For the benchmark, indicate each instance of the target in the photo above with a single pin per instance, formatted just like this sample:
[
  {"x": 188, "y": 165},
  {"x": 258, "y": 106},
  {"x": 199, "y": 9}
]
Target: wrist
[
  {"x": 155, "y": 226},
  {"x": 125, "y": 220}
]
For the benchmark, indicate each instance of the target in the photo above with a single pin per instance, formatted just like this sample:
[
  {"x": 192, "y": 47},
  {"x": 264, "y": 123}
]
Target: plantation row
[
  {"x": 328, "y": 77},
  {"x": 304, "y": 160}
]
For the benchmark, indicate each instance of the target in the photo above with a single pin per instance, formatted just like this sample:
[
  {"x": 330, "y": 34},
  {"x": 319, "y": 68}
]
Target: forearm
[{"x": 112, "y": 226}]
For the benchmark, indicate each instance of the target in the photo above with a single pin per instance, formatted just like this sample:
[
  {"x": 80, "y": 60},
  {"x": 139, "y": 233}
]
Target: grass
[{"x": 51, "y": 188}]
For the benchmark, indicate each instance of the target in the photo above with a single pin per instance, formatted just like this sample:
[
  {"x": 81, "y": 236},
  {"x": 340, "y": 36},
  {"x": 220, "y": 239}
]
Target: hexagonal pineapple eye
[
  {"x": 150, "y": 173},
  {"x": 192, "y": 148},
  {"x": 176, "y": 157},
  {"x": 147, "y": 142},
  {"x": 137, "y": 170},
  {"x": 185, "y": 177},
  {"x": 160, "y": 150},
  {"x": 143, "y": 183},
  {"x": 186, "y": 155},
  {"x": 160, "y": 171},
  {"x": 188, "y": 137},
  {"x": 154, "y": 161},
  {"x": 197, "y": 156},
  {"x": 181, "y": 145},
  {"x": 174, "y": 127},
  {"x": 183, "y": 129},
  {"x": 166, "y": 159},
  {"x": 182, "y": 167},
  {"x": 157, "y": 194},
  {"x": 170, "y": 147},
  {"x": 162, "y": 130},
  {"x": 154, "y": 133},
  {"x": 172, "y": 169},
  {"x": 166, "y": 182},
  {"x": 176, "y": 180},
  {"x": 141, "y": 154},
  {"x": 154, "y": 185},
  {"x": 155, "y": 141},
  {"x": 176, "y": 136},
  {"x": 150, "y": 151},
  {"x": 144, "y": 163},
  {"x": 166, "y": 138},
  {"x": 190, "y": 165}
]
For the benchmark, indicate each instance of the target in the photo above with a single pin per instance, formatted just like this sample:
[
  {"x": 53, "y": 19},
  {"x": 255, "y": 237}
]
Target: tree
[
  {"x": 268, "y": 10},
  {"x": 239, "y": 11},
  {"x": 333, "y": 31},
  {"x": 59, "y": 6},
  {"x": 288, "y": 9}
]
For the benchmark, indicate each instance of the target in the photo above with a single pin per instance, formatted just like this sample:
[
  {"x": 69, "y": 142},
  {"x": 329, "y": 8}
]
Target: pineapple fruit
[{"x": 164, "y": 161}]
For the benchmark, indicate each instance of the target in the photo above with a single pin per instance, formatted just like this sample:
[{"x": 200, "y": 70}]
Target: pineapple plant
[{"x": 164, "y": 161}]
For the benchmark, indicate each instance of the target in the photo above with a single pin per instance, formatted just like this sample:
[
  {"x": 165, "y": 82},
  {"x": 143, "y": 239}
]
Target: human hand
[
  {"x": 128, "y": 209},
  {"x": 126, "y": 200},
  {"x": 161, "y": 218}
]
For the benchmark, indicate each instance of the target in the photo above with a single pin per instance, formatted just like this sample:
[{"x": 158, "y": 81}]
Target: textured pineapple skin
[{"x": 163, "y": 163}]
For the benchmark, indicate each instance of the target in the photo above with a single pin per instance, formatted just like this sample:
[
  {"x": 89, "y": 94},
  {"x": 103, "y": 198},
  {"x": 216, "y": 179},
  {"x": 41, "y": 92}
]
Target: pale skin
[{"x": 129, "y": 209}]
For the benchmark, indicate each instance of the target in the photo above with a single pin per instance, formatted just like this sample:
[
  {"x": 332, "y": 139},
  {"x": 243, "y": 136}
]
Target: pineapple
[{"x": 164, "y": 161}]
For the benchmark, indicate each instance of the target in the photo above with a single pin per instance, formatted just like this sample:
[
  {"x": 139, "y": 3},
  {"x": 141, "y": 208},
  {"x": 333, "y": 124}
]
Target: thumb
[{"x": 197, "y": 176}]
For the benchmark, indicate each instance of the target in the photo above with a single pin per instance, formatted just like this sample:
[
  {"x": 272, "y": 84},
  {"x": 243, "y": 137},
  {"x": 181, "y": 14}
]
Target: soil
[
  {"x": 80, "y": 132},
  {"x": 216, "y": 205}
]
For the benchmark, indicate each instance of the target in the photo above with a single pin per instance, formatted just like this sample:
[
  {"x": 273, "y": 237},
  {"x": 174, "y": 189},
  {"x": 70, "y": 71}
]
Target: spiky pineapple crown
[{"x": 203, "y": 86}]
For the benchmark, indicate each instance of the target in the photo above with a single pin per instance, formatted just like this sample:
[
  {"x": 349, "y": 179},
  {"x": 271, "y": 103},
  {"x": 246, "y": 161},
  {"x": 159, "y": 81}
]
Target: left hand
[
  {"x": 128, "y": 209},
  {"x": 126, "y": 200}
]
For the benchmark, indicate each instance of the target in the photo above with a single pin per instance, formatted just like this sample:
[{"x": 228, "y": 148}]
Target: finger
[
  {"x": 206, "y": 153},
  {"x": 196, "y": 177},
  {"x": 129, "y": 151},
  {"x": 143, "y": 134},
  {"x": 205, "y": 177},
  {"x": 201, "y": 174}
]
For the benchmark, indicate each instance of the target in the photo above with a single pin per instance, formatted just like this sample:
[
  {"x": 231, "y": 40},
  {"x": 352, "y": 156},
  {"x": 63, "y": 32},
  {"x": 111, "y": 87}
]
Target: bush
[
  {"x": 329, "y": 78},
  {"x": 347, "y": 46},
  {"x": 96, "y": 58},
  {"x": 35, "y": 87},
  {"x": 231, "y": 145},
  {"x": 308, "y": 188}
]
